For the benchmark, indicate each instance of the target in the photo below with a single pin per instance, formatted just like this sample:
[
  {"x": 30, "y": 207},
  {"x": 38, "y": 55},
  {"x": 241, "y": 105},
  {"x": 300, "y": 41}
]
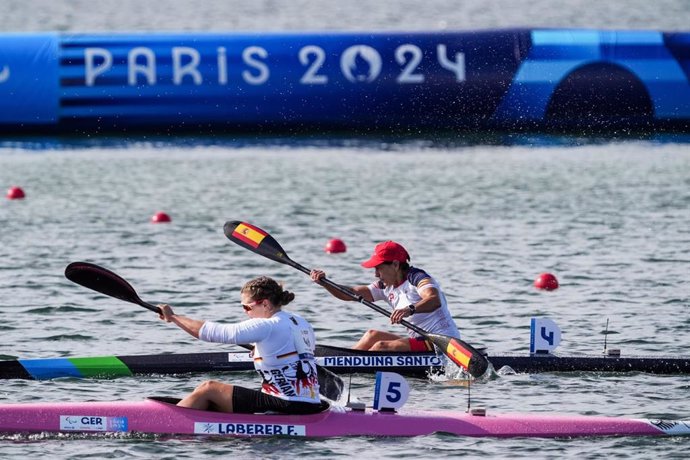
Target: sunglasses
[{"x": 250, "y": 307}]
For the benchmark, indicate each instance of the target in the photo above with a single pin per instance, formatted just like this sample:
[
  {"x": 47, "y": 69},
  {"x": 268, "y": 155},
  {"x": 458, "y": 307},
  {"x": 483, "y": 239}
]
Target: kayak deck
[
  {"x": 156, "y": 417},
  {"x": 337, "y": 359}
]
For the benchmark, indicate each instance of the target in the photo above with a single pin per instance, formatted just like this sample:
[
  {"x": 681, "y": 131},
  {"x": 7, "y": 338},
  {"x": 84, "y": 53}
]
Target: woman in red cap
[{"x": 413, "y": 294}]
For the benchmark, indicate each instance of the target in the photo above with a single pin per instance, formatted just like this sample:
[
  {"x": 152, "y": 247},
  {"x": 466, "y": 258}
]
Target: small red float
[
  {"x": 335, "y": 246},
  {"x": 160, "y": 218},
  {"x": 15, "y": 193},
  {"x": 546, "y": 281}
]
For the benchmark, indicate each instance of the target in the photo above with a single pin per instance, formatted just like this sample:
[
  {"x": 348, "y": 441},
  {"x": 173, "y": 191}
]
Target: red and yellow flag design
[
  {"x": 249, "y": 234},
  {"x": 459, "y": 354}
]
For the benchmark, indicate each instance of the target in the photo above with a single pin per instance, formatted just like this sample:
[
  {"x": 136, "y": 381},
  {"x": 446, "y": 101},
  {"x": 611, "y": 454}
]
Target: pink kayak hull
[{"x": 154, "y": 417}]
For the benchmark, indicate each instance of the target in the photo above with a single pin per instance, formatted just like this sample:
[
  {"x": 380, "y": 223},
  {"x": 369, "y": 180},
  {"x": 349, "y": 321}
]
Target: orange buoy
[
  {"x": 335, "y": 246},
  {"x": 160, "y": 218},
  {"x": 15, "y": 193},
  {"x": 546, "y": 282}
]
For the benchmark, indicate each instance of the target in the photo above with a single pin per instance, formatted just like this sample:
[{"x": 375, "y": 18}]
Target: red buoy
[
  {"x": 160, "y": 218},
  {"x": 15, "y": 193},
  {"x": 335, "y": 246},
  {"x": 546, "y": 281}
]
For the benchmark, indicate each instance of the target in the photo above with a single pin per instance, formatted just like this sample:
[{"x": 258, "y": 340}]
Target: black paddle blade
[
  {"x": 462, "y": 354},
  {"x": 104, "y": 281},
  {"x": 256, "y": 240},
  {"x": 330, "y": 385}
]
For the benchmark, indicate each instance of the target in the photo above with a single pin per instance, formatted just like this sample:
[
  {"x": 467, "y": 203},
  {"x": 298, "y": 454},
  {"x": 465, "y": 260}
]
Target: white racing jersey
[
  {"x": 438, "y": 321},
  {"x": 283, "y": 353}
]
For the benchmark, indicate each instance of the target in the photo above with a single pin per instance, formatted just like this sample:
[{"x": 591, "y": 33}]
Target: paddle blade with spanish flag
[
  {"x": 461, "y": 353},
  {"x": 256, "y": 240}
]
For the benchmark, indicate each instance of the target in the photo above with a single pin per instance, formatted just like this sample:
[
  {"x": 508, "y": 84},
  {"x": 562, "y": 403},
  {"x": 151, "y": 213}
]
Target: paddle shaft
[
  {"x": 148, "y": 306},
  {"x": 357, "y": 297},
  {"x": 256, "y": 240},
  {"x": 109, "y": 283},
  {"x": 157, "y": 309}
]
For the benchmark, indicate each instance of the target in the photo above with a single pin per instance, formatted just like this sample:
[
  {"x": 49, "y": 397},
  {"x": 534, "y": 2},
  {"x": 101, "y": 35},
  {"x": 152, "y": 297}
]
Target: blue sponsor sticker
[{"x": 93, "y": 423}]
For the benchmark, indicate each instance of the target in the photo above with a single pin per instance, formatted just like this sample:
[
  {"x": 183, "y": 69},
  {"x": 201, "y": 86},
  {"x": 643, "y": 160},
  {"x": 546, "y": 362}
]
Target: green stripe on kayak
[{"x": 101, "y": 366}]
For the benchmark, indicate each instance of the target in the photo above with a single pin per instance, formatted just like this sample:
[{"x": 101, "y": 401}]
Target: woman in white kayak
[
  {"x": 283, "y": 355},
  {"x": 413, "y": 294}
]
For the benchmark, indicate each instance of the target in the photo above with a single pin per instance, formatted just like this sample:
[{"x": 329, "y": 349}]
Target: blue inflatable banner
[
  {"x": 29, "y": 83},
  {"x": 514, "y": 79}
]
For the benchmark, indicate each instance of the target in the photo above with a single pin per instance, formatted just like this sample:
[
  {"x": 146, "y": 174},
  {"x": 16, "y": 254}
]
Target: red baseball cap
[{"x": 388, "y": 251}]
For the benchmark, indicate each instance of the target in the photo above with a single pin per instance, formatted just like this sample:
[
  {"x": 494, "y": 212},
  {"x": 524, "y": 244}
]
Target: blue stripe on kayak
[{"x": 50, "y": 368}]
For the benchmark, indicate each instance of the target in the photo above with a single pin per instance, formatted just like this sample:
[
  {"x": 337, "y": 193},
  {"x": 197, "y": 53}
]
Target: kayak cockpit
[
  {"x": 165, "y": 399},
  {"x": 325, "y": 405}
]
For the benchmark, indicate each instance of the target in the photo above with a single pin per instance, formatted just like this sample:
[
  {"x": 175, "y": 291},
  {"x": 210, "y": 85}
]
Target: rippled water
[
  {"x": 329, "y": 15},
  {"x": 610, "y": 220},
  {"x": 485, "y": 216}
]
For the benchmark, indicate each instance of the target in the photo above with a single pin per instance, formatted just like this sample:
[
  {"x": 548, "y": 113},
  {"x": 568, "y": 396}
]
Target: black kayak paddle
[
  {"x": 111, "y": 284},
  {"x": 259, "y": 241}
]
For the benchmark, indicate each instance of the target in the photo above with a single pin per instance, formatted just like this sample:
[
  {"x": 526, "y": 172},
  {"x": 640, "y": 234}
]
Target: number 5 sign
[{"x": 391, "y": 391}]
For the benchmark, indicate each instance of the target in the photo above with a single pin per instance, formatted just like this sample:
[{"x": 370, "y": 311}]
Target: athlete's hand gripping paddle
[
  {"x": 259, "y": 241},
  {"x": 111, "y": 284}
]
